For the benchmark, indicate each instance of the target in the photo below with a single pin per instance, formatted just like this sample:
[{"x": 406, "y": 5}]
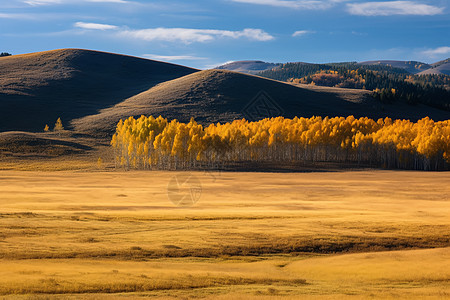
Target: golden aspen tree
[
  {"x": 100, "y": 163},
  {"x": 149, "y": 142},
  {"x": 58, "y": 126}
]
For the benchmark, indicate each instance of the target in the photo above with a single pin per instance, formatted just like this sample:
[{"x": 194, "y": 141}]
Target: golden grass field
[{"x": 325, "y": 235}]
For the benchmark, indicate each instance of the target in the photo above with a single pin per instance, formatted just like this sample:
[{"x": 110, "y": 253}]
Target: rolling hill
[
  {"x": 221, "y": 95},
  {"x": 91, "y": 91},
  {"x": 413, "y": 67},
  {"x": 37, "y": 88},
  {"x": 441, "y": 67}
]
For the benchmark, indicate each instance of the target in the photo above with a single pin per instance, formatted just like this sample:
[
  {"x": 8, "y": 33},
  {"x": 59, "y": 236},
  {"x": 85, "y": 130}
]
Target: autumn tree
[
  {"x": 100, "y": 163},
  {"x": 58, "y": 126},
  {"x": 156, "y": 143}
]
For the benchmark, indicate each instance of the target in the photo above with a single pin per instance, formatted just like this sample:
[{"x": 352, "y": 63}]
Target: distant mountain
[
  {"x": 441, "y": 67},
  {"x": 248, "y": 66},
  {"x": 390, "y": 80},
  {"x": 37, "y": 88},
  {"x": 412, "y": 67}
]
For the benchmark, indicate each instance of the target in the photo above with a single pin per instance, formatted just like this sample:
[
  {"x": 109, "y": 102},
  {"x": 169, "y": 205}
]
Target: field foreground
[{"x": 327, "y": 235}]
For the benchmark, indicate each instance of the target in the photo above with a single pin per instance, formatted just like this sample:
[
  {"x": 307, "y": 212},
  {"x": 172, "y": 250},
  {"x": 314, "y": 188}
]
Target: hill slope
[
  {"x": 37, "y": 88},
  {"x": 37, "y": 145},
  {"x": 219, "y": 95},
  {"x": 441, "y": 67},
  {"x": 248, "y": 66},
  {"x": 412, "y": 67}
]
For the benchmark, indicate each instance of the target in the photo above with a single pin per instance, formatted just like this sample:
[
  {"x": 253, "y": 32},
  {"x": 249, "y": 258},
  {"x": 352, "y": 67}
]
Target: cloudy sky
[{"x": 207, "y": 33}]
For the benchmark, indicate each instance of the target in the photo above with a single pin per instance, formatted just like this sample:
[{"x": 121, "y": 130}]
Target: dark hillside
[{"x": 37, "y": 88}]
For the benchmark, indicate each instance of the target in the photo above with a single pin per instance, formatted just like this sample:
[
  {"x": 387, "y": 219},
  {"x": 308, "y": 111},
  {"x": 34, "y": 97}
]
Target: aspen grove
[{"x": 156, "y": 143}]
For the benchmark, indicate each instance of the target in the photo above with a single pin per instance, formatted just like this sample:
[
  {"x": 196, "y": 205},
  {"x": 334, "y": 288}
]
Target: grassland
[{"x": 325, "y": 235}]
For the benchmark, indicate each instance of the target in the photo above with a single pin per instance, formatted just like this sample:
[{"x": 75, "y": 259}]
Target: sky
[{"x": 207, "y": 33}]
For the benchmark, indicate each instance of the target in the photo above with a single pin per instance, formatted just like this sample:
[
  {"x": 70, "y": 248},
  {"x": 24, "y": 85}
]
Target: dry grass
[
  {"x": 402, "y": 273},
  {"x": 64, "y": 151},
  {"x": 250, "y": 236}
]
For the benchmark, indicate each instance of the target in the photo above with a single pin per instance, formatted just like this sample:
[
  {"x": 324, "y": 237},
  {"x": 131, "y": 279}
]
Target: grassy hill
[
  {"x": 93, "y": 90},
  {"x": 37, "y": 88},
  {"x": 412, "y": 67},
  {"x": 415, "y": 67},
  {"x": 220, "y": 95},
  {"x": 441, "y": 67}
]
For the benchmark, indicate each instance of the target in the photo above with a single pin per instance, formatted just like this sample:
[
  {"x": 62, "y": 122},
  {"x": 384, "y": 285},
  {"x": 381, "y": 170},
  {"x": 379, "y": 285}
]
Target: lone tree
[
  {"x": 5, "y": 54},
  {"x": 58, "y": 126},
  {"x": 46, "y": 128},
  {"x": 100, "y": 163}
]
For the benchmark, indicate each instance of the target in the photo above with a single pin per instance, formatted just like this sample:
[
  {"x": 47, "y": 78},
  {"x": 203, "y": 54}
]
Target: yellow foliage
[
  {"x": 58, "y": 125},
  {"x": 158, "y": 143},
  {"x": 100, "y": 163}
]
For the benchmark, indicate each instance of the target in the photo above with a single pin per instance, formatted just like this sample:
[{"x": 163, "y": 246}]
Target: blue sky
[{"x": 204, "y": 34}]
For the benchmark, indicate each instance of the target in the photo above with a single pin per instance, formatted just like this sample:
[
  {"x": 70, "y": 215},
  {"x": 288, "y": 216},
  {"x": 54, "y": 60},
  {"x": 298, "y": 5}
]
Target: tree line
[
  {"x": 156, "y": 143},
  {"x": 432, "y": 90}
]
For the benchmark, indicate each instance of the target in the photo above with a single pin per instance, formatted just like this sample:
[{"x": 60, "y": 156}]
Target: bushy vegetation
[
  {"x": 150, "y": 142},
  {"x": 5, "y": 54},
  {"x": 433, "y": 90}
]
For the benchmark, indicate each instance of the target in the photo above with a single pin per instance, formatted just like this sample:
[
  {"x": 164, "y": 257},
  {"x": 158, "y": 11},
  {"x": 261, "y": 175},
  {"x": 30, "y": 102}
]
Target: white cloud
[
  {"x": 17, "y": 16},
  {"x": 35, "y": 16},
  {"x": 427, "y": 55},
  {"x": 172, "y": 57},
  {"x": 50, "y": 2},
  {"x": 359, "y": 33},
  {"x": 184, "y": 35},
  {"x": 188, "y": 35},
  {"x": 295, "y": 4},
  {"x": 302, "y": 33},
  {"x": 95, "y": 26},
  {"x": 41, "y": 2},
  {"x": 437, "y": 51},
  {"x": 108, "y": 1},
  {"x": 393, "y": 8}
]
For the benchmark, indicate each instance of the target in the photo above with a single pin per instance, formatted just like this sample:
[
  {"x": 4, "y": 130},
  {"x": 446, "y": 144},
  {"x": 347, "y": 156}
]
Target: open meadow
[{"x": 323, "y": 235}]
